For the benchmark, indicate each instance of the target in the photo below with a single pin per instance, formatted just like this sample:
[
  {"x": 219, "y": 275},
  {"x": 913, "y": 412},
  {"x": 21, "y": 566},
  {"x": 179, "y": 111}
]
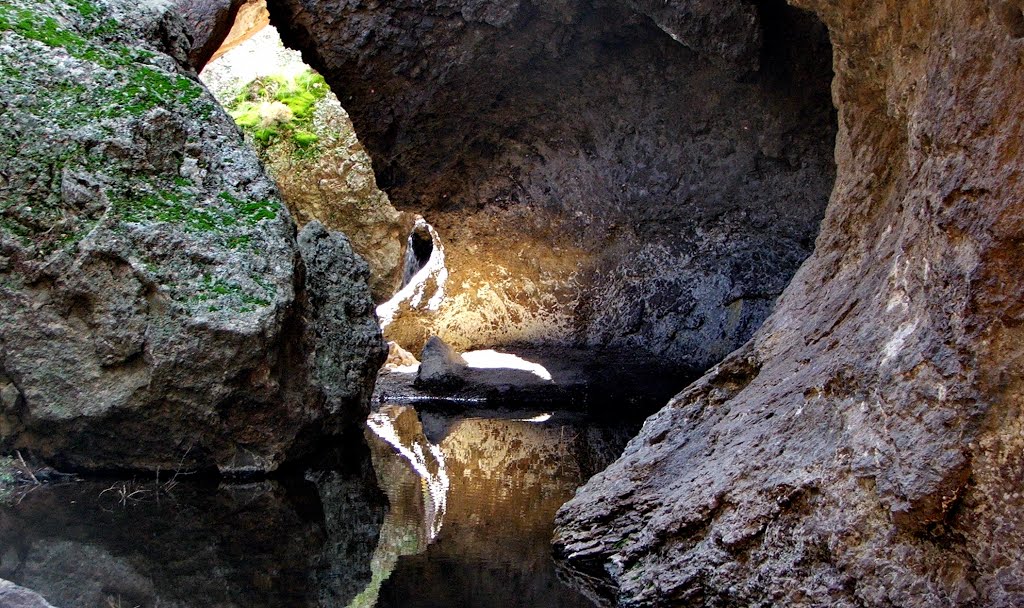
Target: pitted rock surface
[
  {"x": 865, "y": 447},
  {"x": 151, "y": 306}
]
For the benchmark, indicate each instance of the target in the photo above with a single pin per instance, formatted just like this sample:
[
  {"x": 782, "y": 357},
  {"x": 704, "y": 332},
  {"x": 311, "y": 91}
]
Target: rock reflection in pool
[
  {"x": 259, "y": 545},
  {"x": 472, "y": 503}
]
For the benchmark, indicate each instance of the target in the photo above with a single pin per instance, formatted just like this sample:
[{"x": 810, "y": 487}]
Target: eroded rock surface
[
  {"x": 865, "y": 448},
  {"x": 594, "y": 180},
  {"x": 152, "y": 297},
  {"x": 313, "y": 155}
]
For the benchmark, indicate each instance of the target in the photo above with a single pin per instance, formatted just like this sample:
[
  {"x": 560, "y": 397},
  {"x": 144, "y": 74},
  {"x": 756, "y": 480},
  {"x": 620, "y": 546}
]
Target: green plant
[{"x": 280, "y": 108}]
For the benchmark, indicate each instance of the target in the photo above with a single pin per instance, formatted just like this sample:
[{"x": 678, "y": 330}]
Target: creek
[{"x": 447, "y": 510}]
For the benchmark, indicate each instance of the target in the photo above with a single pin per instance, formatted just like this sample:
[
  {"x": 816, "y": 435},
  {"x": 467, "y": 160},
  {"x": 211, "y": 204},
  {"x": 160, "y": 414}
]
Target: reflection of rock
[
  {"x": 505, "y": 479},
  {"x": 353, "y": 516},
  {"x": 250, "y": 546},
  {"x": 410, "y": 472},
  {"x": 13, "y": 596}
]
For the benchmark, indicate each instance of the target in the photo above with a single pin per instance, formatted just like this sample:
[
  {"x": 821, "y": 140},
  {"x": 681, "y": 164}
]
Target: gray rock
[
  {"x": 152, "y": 312},
  {"x": 13, "y": 596},
  {"x": 342, "y": 335},
  {"x": 441, "y": 368}
]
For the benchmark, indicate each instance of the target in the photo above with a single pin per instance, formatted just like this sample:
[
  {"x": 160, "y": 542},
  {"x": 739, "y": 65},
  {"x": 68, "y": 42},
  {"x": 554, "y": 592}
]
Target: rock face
[
  {"x": 152, "y": 297},
  {"x": 313, "y": 155},
  {"x": 594, "y": 181},
  {"x": 865, "y": 448},
  {"x": 208, "y": 23}
]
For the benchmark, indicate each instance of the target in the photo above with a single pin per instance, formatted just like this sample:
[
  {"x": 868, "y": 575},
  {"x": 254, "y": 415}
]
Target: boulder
[
  {"x": 441, "y": 367},
  {"x": 153, "y": 298},
  {"x": 13, "y": 596}
]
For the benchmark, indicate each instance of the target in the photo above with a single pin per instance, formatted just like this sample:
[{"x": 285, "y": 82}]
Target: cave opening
[
  {"x": 631, "y": 196},
  {"x": 419, "y": 247},
  {"x": 631, "y": 193}
]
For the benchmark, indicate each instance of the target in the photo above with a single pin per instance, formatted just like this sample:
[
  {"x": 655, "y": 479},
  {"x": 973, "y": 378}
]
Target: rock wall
[
  {"x": 864, "y": 448},
  {"x": 594, "y": 181},
  {"x": 155, "y": 306}
]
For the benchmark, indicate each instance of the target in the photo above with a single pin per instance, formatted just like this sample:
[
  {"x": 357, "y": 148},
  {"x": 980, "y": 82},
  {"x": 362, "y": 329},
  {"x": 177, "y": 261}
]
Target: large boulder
[
  {"x": 865, "y": 448},
  {"x": 152, "y": 295}
]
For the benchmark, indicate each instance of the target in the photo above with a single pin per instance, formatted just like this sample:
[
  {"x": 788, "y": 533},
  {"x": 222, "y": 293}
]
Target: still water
[{"x": 462, "y": 517}]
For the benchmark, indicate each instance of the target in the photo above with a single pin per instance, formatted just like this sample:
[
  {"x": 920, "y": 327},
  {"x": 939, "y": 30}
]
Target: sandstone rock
[
  {"x": 399, "y": 357},
  {"x": 594, "y": 181},
  {"x": 151, "y": 309},
  {"x": 864, "y": 449},
  {"x": 13, "y": 596}
]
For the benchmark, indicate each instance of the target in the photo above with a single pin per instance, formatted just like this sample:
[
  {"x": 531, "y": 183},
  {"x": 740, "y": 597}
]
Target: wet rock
[
  {"x": 151, "y": 303},
  {"x": 13, "y": 596},
  {"x": 626, "y": 174},
  {"x": 441, "y": 367},
  {"x": 864, "y": 448}
]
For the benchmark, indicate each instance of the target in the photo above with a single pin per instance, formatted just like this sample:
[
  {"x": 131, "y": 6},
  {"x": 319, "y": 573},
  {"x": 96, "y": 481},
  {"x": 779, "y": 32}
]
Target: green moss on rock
[{"x": 277, "y": 107}]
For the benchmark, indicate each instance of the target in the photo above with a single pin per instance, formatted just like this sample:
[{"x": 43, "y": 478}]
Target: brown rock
[{"x": 865, "y": 448}]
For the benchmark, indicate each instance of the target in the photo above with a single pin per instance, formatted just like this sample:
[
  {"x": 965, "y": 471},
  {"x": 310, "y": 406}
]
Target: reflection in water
[
  {"x": 255, "y": 545},
  {"x": 467, "y": 522},
  {"x": 505, "y": 478}
]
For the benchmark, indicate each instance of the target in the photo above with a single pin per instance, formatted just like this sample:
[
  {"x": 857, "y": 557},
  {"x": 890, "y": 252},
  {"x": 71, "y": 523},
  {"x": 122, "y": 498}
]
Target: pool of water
[{"x": 457, "y": 510}]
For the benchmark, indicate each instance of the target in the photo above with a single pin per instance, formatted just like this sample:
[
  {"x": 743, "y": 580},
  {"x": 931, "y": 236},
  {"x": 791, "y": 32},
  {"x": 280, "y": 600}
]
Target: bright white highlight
[
  {"x": 492, "y": 359},
  {"x": 538, "y": 419},
  {"x": 436, "y": 484},
  {"x": 414, "y": 291}
]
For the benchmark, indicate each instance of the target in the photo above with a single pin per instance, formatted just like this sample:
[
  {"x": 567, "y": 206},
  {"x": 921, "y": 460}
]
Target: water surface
[{"x": 462, "y": 517}]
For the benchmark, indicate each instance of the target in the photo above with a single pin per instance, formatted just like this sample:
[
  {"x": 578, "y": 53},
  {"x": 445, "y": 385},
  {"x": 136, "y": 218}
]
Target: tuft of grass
[{"x": 280, "y": 108}]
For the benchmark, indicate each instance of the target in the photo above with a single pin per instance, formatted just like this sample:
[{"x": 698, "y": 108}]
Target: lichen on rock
[
  {"x": 308, "y": 145},
  {"x": 147, "y": 264}
]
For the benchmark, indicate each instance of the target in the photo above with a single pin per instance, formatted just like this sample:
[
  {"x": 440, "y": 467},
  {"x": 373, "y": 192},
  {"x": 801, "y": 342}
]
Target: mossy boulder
[{"x": 150, "y": 281}]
